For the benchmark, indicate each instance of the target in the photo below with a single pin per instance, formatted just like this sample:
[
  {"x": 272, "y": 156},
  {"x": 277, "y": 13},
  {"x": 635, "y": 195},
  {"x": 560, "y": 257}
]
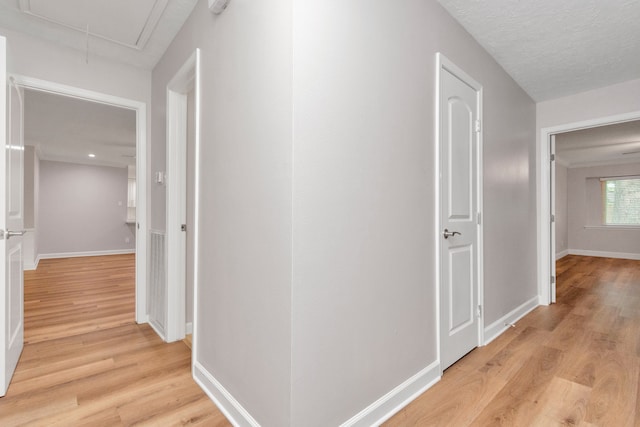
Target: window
[{"x": 621, "y": 200}]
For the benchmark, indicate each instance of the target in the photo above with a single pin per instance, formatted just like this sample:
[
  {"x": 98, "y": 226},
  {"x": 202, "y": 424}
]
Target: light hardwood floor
[
  {"x": 86, "y": 362},
  {"x": 575, "y": 363}
]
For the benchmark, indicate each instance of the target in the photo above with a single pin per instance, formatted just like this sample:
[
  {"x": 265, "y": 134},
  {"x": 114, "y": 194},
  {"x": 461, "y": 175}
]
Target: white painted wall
[
  {"x": 244, "y": 306},
  {"x": 562, "y": 230},
  {"x": 83, "y": 209},
  {"x": 37, "y": 58},
  {"x": 607, "y": 101},
  {"x": 318, "y": 234},
  {"x": 586, "y": 233}
]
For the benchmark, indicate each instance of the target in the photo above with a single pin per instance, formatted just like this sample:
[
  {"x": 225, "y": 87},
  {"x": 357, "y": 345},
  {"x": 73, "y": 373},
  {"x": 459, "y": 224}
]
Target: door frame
[
  {"x": 543, "y": 154},
  {"x": 140, "y": 108},
  {"x": 442, "y": 63},
  {"x": 187, "y": 77}
]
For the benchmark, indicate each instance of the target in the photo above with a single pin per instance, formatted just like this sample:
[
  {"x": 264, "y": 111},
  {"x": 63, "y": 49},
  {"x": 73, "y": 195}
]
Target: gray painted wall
[
  {"x": 594, "y": 104},
  {"x": 318, "y": 240},
  {"x": 29, "y": 186},
  {"x": 562, "y": 230},
  {"x": 585, "y": 209},
  {"x": 244, "y": 305},
  {"x": 364, "y": 305},
  {"x": 82, "y": 209}
]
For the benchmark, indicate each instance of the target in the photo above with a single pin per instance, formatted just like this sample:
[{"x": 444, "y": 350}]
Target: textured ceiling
[
  {"x": 554, "y": 48},
  {"x": 122, "y": 21},
  {"x": 68, "y": 129},
  {"x": 613, "y": 144}
]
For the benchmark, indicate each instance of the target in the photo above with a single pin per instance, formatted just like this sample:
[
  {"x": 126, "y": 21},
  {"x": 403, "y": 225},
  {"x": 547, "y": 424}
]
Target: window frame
[{"x": 603, "y": 192}]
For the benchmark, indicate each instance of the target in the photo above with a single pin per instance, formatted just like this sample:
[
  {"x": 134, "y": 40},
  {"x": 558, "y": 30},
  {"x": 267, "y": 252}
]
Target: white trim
[
  {"x": 176, "y": 204},
  {"x": 32, "y": 265},
  {"x": 562, "y": 254},
  {"x": 495, "y": 329},
  {"x": 157, "y": 329},
  {"x": 228, "y": 405},
  {"x": 391, "y": 403},
  {"x": 141, "y": 170},
  {"x": 84, "y": 254},
  {"x": 612, "y": 227},
  {"x": 619, "y": 178},
  {"x": 188, "y": 328},
  {"x": 543, "y": 188},
  {"x": 604, "y": 254},
  {"x": 610, "y": 162},
  {"x": 196, "y": 212},
  {"x": 443, "y": 63}
]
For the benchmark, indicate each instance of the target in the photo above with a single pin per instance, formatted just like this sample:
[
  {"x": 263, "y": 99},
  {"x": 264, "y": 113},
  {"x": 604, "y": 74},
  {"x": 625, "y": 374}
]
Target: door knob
[{"x": 446, "y": 233}]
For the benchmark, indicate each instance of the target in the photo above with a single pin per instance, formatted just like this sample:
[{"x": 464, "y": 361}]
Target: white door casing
[
  {"x": 552, "y": 212},
  {"x": 546, "y": 257},
  {"x": 141, "y": 170},
  {"x": 185, "y": 80},
  {"x": 12, "y": 224},
  {"x": 459, "y": 232}
]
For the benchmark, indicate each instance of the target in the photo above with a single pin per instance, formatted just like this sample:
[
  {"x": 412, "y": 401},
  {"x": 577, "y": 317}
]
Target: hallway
[
  {"x": 86, "y": 362},
  {"x": 573, "y": 363}
]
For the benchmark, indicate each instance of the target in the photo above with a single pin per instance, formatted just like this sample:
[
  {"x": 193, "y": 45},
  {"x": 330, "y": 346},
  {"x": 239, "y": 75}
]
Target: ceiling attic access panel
[{"x": 123, "y": 22}]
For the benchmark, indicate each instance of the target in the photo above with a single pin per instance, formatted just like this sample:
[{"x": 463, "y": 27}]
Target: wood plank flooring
[
  {"x": 575, "y": 363},
  {"x": 86, "y": 362}
]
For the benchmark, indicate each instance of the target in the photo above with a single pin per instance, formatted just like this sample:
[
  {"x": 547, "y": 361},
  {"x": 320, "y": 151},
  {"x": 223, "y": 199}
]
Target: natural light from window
[{"x": 621, "y": 200}]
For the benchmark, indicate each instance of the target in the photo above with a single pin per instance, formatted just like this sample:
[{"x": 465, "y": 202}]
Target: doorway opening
[
  {"x": 139, "y": 225},
  {"x": 183, "y": 166},
  {"x": 547, "y": 215}
]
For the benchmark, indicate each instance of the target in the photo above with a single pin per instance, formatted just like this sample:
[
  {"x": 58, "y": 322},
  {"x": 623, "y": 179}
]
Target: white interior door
[
  {"x": 11, "y": 225},
  {"x": 552, "y": 225},
  {"x": 459, "y": 140}
]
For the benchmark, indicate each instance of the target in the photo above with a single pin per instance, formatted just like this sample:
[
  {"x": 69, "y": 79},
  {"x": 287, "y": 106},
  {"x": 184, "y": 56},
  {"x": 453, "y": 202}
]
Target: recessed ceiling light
[{"x": 92, "y": 155}]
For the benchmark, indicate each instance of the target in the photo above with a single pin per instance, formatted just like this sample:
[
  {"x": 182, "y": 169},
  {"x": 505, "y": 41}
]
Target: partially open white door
[{"x": 11, "y": 224}]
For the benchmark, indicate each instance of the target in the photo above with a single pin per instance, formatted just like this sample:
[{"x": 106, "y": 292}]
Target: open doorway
[
  {"x": 584, "y": 163},
  {"x": 120, "y": 159},
  {"x": 176, "y": 295}
]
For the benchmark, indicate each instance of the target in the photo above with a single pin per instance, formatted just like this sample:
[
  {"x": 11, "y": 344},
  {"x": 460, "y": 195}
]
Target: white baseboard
[
  {"x": 389, "y": 404},
  {"x": 188, "y": 328},
  {"x": 157, "y": 328},
  {"x": 621, "y": 255},
  {"x": 228, "y": 405},
  {"x": 32, "y": 265},
  {"x": 88, "y": 253},
  {"x": 562, "y": 254},
  {"x": 495, "y": 329}
]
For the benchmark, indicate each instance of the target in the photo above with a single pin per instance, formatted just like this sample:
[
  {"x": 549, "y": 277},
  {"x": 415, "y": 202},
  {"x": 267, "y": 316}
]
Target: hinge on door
[
  {"x": 183, "y": 227},
  {"x": 553, "y": 279},
  {"x": 479, "y": 217},
  {"x": 478, "y": 125},
  {"x": 479, "y": 313},
  {"x": 553, "y": 218},
  {"x": 553, "y": 157}
]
